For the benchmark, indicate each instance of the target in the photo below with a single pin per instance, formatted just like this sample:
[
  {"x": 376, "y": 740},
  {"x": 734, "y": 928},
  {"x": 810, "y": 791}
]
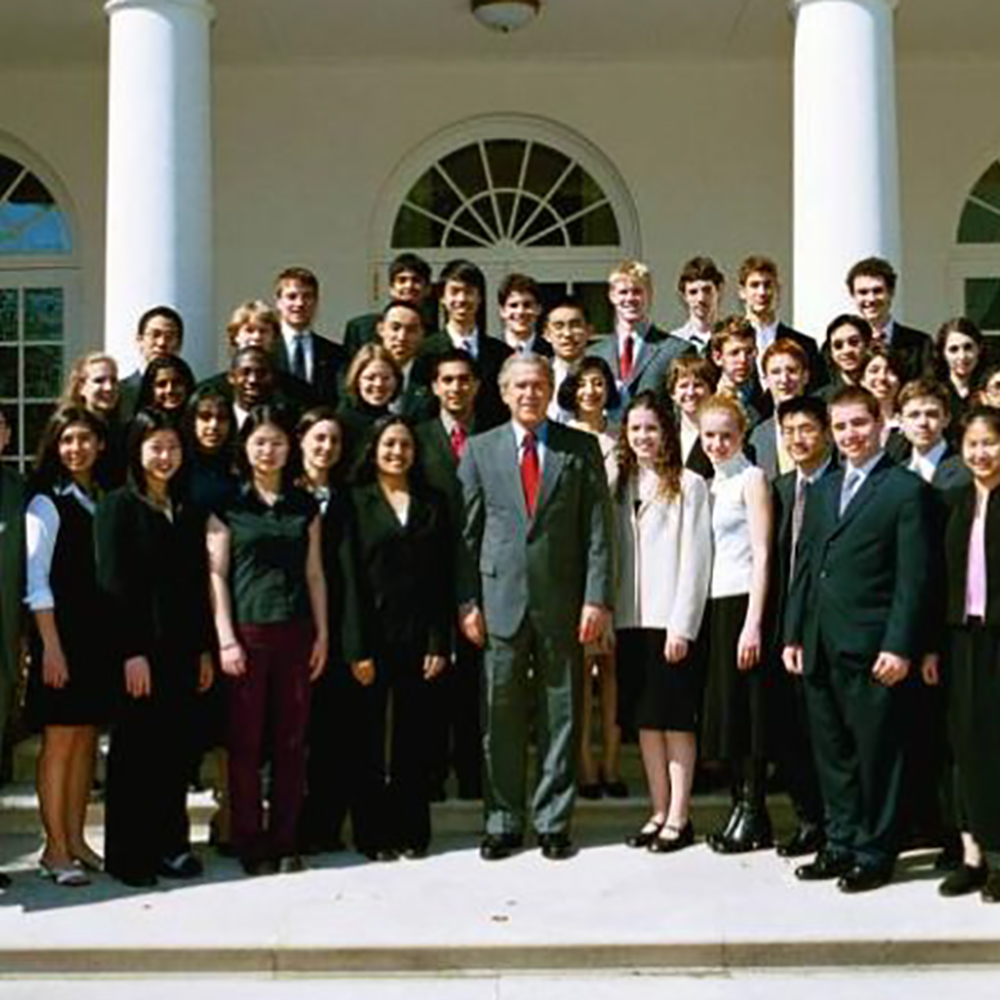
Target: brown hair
[
  {"x": 71, "y": 394},
  {"x": 700, "y": 269},
  {"x": 253, "y": 311},
  {"x": 788, "y": 347},
  {"x": 691, "y": 366},
  {"x": 847, "y": 395},
  {"x": 729, "y": 328},
  {"x": 757, "y": 264},
  {"x": 872, "y": 267},
  {"x": 924, "y": 388},
  {"x": 302, "y": 275},
  {"x": 367, "y": 354},
  {"x": 669, "y": 462}
]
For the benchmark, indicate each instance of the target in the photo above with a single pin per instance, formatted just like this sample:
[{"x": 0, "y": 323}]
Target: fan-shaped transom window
[
  {"x": 506, "y": 193},
  {"x": 31, "y": 222}
]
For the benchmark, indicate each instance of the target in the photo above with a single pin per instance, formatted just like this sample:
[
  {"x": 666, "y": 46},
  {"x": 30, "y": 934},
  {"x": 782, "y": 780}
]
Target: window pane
[
  {"x": 465, "y": 168},
  {"x": 435, "y": 194},
  {"x": 576, "y": 192},
  {"x": 8, "y": 314},
  {"x": 412, "y": 229},
  {"x": 525, "y": 210},
  {"x": 477, "y": 236},
  {"x": 505, "y": 157},
  {"x": 43, "y": 314},
  {"x": 982, "y": 302},
  {"x": 988, "y": 186},
  {"x": 544, "y": 221},
  {"x": 36, "y": 416},
  {"x": 13, "y": 447},
  {"x": 42, "y": 372},
  {"x": 595, "y": 229},
  {"x": 545, "y": 167},
  {"x": 505, "y": 203},
  {"x": 9, "y": 381},
  {"x": 978, "y": 225},
  {"x": 10, "y": 170}
]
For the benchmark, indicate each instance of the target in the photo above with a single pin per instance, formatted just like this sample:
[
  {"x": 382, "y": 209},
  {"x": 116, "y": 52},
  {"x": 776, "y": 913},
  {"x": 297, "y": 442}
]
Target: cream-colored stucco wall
[{"x": 302, "y": 155}]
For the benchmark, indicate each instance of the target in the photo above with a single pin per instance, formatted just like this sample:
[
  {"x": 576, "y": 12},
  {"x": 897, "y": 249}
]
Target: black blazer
[
  {"x": 491, "y": 410},
  {"x": 128, "y": 395},
  {"x": 361, "y": 330},
  {"x": 962, "y": 506},
  {"x": 398, "y": 580},
  {"x": 862, "y": 579},
  {"x": 329, "y": 366}
]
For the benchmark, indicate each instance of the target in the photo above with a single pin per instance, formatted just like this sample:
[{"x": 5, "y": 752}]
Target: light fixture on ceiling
[{"x": 505, "y": 15}]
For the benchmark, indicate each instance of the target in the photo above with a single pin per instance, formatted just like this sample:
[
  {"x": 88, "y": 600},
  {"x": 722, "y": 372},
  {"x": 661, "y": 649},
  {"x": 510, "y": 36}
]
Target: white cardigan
[{"x": 664, "y": 558}]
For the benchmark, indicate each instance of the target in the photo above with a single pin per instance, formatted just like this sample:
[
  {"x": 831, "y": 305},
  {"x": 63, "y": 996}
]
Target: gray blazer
[{"x": 548, "y": 565}]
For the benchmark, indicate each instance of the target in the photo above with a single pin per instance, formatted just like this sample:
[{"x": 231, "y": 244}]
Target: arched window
[
  {"x": 37, "y": 282},
  {"x": 511, "y": 193}
]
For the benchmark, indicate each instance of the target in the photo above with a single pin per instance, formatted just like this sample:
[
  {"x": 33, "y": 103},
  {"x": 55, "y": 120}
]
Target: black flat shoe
[
  {"x": 616, "y": 789},
  {"x": 259, "y": 866},
  {"x": 556, "y": 846},
  {"x": 963, "y": 880},
  {"x": 646, "y": 834},
  {"x": 684, "y": 837},
  {"x": 590, "y": 790},
  {"x": 382, "y": 854},
  {"x": 807, "y": 839},
  {"x": 291, "y": 864},
  {"x": 497, "y": 846},
  {"x": 137, "y": 881},
  {"x": 827, "y": 865},
  {"x": 415, "y": 853},
  {"x": 863, "y": 878}
]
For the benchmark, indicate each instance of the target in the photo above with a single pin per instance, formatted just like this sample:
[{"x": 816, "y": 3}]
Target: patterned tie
[
  {"x": 298, "y": 357},
  {"x": 458, "y": 441},
  {"x": 530, "y": 473},
  {"x": 798, "y": 512},
  {"x": 627, "y": 358}
]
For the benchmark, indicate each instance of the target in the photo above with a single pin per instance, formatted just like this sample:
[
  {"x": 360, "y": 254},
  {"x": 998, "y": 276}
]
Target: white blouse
[{"x": 732, "y": 564}]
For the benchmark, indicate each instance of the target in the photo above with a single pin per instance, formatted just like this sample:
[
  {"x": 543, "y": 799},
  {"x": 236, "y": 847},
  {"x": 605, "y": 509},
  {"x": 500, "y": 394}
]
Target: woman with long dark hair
[
  {"x": 167, "y": 385},
  {"x": 69, "y": 683},
  {"x": 397, "y": 634},
  {"x": 270, "y": 606},
  {"x": 152, "y": 566}
]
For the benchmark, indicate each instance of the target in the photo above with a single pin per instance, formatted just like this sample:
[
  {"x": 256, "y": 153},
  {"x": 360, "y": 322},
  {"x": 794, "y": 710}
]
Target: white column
[
  {"x": 846, "y": 170},
  {"x": 159, "y": 199}
]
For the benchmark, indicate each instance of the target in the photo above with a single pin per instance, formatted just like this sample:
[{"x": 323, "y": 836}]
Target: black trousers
[
  {"x": 149, "y": 764},
  {"x": 857, "y": 733}
]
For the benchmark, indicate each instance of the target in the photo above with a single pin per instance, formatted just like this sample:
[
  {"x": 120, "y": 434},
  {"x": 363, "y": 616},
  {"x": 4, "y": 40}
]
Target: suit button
[{"x": 824, "y": 575}]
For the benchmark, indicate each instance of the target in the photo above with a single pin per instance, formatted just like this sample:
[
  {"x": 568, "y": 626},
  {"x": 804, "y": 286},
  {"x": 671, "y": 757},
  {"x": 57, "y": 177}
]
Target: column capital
[
  {"x": 203, "y": 7},
  {"x": 795, "y": 5}
]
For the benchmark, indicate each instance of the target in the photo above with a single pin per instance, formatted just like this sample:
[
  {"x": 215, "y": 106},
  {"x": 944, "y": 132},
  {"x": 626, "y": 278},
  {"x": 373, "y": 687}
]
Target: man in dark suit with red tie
[{"x": 536, "y": 584}]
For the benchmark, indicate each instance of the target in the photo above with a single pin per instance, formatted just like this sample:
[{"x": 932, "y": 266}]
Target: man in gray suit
[
  {"x": 536, "y": 583},
  {"x": 637, "y": 352}
]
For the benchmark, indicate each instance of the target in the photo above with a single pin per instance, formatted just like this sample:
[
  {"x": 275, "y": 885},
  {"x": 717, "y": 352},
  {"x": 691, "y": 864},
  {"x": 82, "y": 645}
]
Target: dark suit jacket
[
  {"x": 329, "y": 366},
  {"x": 547, "y": 565},
  {"x": 962, "y": 507},
  {"x": 398, "y": 584},
  {"x": 440, "y": 466},
  {"x": 819, "y": 375},
  {"x": 491, "y": 410},
  {"x": 649, "y": 369},
  {"x": 128, "y": 395},
  {"x": 418, "y": 402},
  {"x": 12, "y": 501},
  {"x": 861, "y": 580},
  {"x": 363, "y": 329}
]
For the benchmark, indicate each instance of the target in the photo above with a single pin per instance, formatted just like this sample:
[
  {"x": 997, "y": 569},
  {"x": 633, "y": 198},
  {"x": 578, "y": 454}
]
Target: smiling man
[
  {"x": 536, "y": 498},
  {"x": 853, "y": 627}
]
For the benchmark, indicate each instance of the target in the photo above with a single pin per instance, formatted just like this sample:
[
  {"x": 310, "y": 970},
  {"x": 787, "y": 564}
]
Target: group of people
[{"x": 361, "y": 566}]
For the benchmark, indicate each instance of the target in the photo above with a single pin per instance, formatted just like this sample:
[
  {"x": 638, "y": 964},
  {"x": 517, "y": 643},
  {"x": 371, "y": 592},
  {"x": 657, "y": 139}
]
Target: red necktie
[
  {"x": 626, "y": 359},
  {"x": 530, "y": 472},
  {"x": 457, "y": 441}
]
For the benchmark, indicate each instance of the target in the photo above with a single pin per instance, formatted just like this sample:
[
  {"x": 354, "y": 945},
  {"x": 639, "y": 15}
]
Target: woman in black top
[
  {"x": 152, "y": 566},
  {"x": 332, "y": 715},
  {"x": 959, "y": 364},
  {"x": 269, "y": 600},
  {"x": 397, "y": 630},
  {"x": 68, "y": 687},
  {"x": 167, "y": 385},
  {"x": 372, "y": 384},
  {"x": 209, "y": 432}
]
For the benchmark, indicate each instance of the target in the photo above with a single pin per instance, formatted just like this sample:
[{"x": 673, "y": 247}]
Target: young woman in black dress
[
  {"x": 69, "y": 684},
  {"x": 151, "y": 564},
  {"x": 397, "y": 634},
  {"x": 269, "y": 601}
]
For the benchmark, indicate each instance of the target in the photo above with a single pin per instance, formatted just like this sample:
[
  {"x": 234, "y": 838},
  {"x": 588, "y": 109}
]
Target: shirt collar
[
  {"x": 867, "y": 467},
  {"x": 541, "y": 432},
  {"x": 816, "y": 474}
]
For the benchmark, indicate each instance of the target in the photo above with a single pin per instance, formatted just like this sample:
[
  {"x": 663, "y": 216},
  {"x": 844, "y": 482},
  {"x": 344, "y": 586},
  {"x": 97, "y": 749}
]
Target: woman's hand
[
  {"x": 930, "y": 670},
  {"x": 748, "y": 647},
  {"x": 363, "y": 672},
  {"x": 233, "y": 660},
  {"x": 675, "y": 649},
  {"x": 138, "y": 677},
  {"x": 206, "y": 672},
  {"x": 55, "y": 672},
  {"x": 434, "y": 665},
  {"x": 317, "y": 658}
]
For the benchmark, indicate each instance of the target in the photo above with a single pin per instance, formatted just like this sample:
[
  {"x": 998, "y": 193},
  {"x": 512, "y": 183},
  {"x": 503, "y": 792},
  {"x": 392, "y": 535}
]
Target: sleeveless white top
[{"x": 732, "y": 562}]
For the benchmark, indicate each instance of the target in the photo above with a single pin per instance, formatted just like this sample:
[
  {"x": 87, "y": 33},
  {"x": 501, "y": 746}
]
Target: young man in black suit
[
  {"x": 872, "y": 284},
  {"x": 455, "y": 731},
  {"x": 401, "y": 331},
  {"x": 160, "y": 334},
  {"x": 409, "y": 281},
  {"x": 463, "y": 290},
  {"x": 853, "y": 627},
  {"x": 520, "y": 302},
  {"x": 759, "y": 290},
  {"x": 314, "y": 360},
  {"x": 805, "y": 432}
]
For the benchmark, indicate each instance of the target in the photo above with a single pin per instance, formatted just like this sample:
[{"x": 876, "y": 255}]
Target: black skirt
[
  {"x": 733, "y": 709},
  {"x": 654, "y": 694},
  {"x": 973, "y": 678}
]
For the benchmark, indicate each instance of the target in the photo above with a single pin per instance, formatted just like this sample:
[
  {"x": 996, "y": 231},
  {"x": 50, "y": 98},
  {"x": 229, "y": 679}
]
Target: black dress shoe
[
  {"x": 990, "y": 892},
  {"x": 414, "y": 852},
  {"x": 864, "y": 878},
  {"x": 646, "y": 834},
  {"x": 136, "y": 880},
  {"x": 496, "y": 846},
  {"x": 291, "y": 864},
  {"x": 752, "y": 832},
  {"x": 950, "y": 858},
  {"x": 4, "y": 880},
  {"x": 590, "y": 790},
  {"x": 259, "y": 866},
  {"x": 616, "y": 789},
  {"x": 182, "y": 866},
  {"x": 827, "y": 865},
  {"x": 963, "y": 880},
  {"x": 807, "y": 839},
  {"x": 556, "y": 846},
  {"x": 381, "y": 854},
  {"x": 681, "y": 838}
]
